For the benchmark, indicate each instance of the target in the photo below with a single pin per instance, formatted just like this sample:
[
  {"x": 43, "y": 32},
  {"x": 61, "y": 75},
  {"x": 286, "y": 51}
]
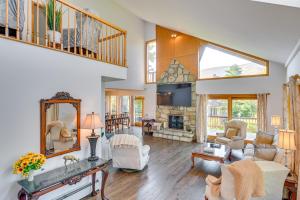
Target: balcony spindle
[
  {"x": 106, "y": 46},
  {"x": 54, "y": 13},
  {"x": 18, "y": 19},
  {"x": 37, "y": 22},
  {"x": 75, "y": 33},
  {"x": 81, "y": 33},
  {"x": 46, "y": 24},
  {"x": 6, "y": 18},
  {"x": 92, "y": 43},
  {"x": 28, "y": 20},
  {"x": 86, "y": 36},
  {"x": 68, "y": 29}
]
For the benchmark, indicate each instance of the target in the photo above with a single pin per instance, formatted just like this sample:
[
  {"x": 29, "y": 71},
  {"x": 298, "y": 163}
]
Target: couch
[{"x": 274, "y": 175}]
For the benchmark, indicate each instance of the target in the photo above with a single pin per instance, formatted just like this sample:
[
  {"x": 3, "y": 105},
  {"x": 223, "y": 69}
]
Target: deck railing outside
[
  {"x": 216, "y": 123},
  {"x": 59, "y": 25}
]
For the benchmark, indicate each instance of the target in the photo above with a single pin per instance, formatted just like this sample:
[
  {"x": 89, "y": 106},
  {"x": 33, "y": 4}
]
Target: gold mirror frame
[{"x": 60, "y": 97}]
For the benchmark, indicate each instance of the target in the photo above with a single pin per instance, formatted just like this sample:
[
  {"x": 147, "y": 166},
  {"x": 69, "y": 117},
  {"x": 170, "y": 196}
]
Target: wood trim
[{"x": 146, "y": 62}]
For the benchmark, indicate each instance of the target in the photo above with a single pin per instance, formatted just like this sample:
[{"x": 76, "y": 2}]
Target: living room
[{"x": 111, "y": 100}]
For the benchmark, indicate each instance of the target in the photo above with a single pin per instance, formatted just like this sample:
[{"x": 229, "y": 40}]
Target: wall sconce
[{"x": 173, "y": 35}]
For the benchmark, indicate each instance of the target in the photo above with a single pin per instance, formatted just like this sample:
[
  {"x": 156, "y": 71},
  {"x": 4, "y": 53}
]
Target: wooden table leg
[
  {"x": 193, "y": 161},
  {"x": 94, "y": 193},
  {"x": 104, "y": 178}
]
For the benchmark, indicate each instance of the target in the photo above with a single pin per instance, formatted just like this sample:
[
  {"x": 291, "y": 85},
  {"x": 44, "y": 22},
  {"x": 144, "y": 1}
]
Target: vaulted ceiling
[{"x": 266, "y": 30}]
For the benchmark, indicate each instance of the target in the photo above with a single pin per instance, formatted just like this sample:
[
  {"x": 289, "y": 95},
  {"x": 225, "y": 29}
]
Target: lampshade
[
  {"x": 275, "y": 120},
  {"x": 286, "y": 140},
  {"x": 92, "y": 121}
]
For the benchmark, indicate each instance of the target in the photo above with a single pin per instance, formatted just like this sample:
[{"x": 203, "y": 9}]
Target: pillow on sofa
[
  {"x": 265, "y": 152},
  {"x": 264, "y": 138},
  {"x": 231, "y": 132}
]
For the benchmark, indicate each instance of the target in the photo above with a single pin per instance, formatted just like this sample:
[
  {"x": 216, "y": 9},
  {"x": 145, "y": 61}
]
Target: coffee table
[{"x": 219, "y": 153}]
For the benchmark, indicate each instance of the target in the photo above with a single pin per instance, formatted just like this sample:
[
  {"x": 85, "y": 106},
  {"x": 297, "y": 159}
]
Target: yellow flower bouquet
[{"x": 28, "y": 163}]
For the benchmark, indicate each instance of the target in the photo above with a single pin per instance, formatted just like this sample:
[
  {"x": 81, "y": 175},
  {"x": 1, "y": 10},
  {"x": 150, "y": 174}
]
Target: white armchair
[
  {"x": 274, "y": 175},
  {"x": 237, "y": 140},
  {"x": 128, "y": 152}
]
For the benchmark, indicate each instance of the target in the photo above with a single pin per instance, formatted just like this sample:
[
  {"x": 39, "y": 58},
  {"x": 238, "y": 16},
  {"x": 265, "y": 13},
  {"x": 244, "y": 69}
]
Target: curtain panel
[
  {"x": 262, "y": 117},
  {"x": 201, "y": 118},
  {"x": 293, "y": 115}
]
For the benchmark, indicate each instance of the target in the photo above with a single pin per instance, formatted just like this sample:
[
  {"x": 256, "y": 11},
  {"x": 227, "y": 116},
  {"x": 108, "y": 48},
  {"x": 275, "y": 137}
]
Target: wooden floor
[{"x": 168, "y": 176}]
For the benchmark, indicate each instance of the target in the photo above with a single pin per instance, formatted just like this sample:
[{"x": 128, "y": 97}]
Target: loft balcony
[{"x": 61, "y": 26}]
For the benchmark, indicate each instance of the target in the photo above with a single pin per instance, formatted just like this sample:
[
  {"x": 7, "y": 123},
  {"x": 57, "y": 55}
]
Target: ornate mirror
[{"x": 60, "y": 125}]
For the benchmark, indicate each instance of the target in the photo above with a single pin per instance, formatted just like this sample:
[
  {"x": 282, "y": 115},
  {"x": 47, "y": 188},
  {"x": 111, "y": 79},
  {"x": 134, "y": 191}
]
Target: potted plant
[
  {"x": 28, "y": 163},
  {"x": 50, "y": 19}
]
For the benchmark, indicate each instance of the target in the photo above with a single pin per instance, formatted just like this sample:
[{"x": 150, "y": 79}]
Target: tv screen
[{"x": 174, "y": 94}]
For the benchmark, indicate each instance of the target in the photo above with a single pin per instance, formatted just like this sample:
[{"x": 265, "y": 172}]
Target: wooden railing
[
  {"x": 151, "y": 77},
  {"x": 59, "y": 25},
  {"x": 217, "y": 122}
]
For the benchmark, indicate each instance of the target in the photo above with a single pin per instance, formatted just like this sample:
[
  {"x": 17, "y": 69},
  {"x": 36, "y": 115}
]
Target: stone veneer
[{"x": 177, "y": 74}]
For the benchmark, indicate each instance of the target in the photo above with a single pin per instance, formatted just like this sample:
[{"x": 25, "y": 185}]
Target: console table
[{"x": 59, "y": 177}]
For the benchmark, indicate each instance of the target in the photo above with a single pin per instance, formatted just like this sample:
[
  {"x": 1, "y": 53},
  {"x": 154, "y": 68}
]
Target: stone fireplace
[{"x": 185, "y": 121}]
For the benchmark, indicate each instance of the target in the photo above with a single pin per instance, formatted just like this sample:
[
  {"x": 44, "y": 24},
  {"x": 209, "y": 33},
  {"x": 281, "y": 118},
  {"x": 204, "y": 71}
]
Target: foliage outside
[{"x": 234, "y": 70}]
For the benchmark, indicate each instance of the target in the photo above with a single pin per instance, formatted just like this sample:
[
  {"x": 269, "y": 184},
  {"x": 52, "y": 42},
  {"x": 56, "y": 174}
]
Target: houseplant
[
  {"x": 50, "y": 20},
  {"x": 28, "y": 163}
]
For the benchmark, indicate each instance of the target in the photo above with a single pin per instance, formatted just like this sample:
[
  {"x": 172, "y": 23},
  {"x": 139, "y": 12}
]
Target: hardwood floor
[{"x": 168, "y": 176}]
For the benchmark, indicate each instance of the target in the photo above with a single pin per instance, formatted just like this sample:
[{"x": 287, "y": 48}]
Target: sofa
[{"x": 274, "y": 175}]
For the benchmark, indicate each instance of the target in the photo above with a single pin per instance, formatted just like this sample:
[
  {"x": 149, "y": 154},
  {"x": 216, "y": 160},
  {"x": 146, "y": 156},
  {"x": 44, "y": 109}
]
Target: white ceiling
[{"x": 266, "y": 30}]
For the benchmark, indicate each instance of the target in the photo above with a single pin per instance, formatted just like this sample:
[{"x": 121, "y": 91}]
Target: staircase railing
[{"x": 59, "y": 25}]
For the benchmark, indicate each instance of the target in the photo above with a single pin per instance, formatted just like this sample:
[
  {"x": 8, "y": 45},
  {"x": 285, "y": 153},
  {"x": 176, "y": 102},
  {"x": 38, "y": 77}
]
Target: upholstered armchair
[
  {"x": 128, "y": 152},
  {"x": 274, "y": 175},
  {"x": 234, "y": 134}
]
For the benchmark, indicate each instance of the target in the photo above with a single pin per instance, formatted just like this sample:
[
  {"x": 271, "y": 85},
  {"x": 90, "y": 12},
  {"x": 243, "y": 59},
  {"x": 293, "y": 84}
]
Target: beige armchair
[{"x": 234, "y": 134}]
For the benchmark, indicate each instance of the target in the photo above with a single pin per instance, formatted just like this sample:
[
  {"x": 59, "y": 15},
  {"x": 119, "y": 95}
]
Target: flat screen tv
[{"x": 174, "y": 94}]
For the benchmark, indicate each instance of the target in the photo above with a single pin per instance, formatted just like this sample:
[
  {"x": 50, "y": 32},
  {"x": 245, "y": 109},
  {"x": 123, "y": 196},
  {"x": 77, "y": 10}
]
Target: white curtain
[
  {"x": 262, "y": 117},
  {"x": 201, "y": 118}
]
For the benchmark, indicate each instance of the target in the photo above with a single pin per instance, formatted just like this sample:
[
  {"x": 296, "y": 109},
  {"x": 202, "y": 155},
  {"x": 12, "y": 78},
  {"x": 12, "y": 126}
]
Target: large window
[
  {"x": 151, "y": 61},
  {"x": 125, "y": 104},
  {"x": 222, "y": 108},
  {"x": 113, "y": 105},
  {"x": 216, "y": 63}
]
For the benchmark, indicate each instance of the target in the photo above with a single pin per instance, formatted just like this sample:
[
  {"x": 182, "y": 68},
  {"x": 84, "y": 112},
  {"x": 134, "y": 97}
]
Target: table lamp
[
  {"x": 275, "y": 122},
  {"x": 286, "y": 141},
  {"x": 92, "y": 121}
]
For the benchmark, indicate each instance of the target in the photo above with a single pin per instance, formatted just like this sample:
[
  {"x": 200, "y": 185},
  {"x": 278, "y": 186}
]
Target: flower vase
[{"x": 30, "y": 177}]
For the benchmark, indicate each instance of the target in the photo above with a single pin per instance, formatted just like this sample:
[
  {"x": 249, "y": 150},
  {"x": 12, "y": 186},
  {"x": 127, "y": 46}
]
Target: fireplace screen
[{"x": 176, "y": 121}]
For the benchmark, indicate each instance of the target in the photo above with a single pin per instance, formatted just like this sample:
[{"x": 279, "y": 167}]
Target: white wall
[
  {"x": 268, "y": 84},
  {"x": 28, "y": 74},
  {"x": 294, "y": 67}
]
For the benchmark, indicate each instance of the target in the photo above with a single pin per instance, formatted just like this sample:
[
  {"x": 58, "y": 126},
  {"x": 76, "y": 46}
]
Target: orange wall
[{"x": 183, "y": 48}]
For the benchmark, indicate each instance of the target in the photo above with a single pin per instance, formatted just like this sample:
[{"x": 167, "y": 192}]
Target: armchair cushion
[
  {"x": 223, "y": 140},
  {"x": 231, "y": 132},
  {"x": 264, "y": 138},
  {"x": 265, "y": 153}
]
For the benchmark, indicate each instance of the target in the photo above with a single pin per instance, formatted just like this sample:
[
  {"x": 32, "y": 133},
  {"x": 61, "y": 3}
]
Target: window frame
[
  {"x": 230, "y": 98},
  {"x": 146, "y": 62},
  {"x": 233, "y": 52}
]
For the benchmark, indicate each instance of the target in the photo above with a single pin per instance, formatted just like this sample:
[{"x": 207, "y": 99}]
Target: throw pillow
[
  {"x": 265, "y": 152},
  {"x": 264, "y": 138},
  {"x": 231, "y": 132}
]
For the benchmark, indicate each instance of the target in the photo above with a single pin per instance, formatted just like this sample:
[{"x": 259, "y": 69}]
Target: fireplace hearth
[{"x": 176, "y": 121}]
